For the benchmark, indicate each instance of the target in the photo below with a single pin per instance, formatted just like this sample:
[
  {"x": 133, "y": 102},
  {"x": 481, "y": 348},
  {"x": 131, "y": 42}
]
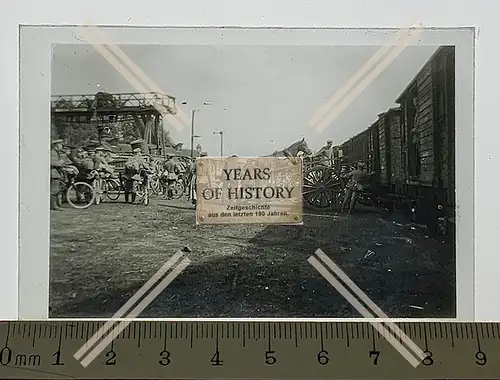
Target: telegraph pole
[
  {"x": 221, "y": 133},
  {"x": 192, "y": 131}
]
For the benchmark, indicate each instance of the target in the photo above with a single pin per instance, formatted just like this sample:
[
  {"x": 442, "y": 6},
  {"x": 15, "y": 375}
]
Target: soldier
[
  {"x": 66, "y": 156},
  {"x": 100, "y": 162},
  {"x": 75, "y": 157},
  {"x": 327, "y": 153},
  {"x": 87, "y": 164},
  {"x": 57, "y": 174},
  {"x": 354, "y": 186},
  {"x": 170, "y": 175},
  {"x": 133, "y": 168}
]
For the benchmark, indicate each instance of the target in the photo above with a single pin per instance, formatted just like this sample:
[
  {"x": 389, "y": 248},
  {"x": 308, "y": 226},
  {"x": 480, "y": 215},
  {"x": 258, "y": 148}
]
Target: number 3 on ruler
[
  {"x": 164, "y": 358},
  {"x": 428, "y": 358}
]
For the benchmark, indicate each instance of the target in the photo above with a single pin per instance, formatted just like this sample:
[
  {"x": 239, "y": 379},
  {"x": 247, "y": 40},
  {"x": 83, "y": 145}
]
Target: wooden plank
[
  {"x": 425, "y": 88},
  {"x": 395, "y": 149},
  {"x": 426, "y": 103},
  {"x": 429, "y": 138},
  {"x": 384, "y": 164},
  {"x": 425, "y": 132},
  {"x": 428, "y": 160},
  {"x": 424, "y": 111},
  {"x": 427, "y": 149}
]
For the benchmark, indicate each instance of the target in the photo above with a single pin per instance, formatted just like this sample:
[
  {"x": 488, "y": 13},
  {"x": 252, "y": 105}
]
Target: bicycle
[
  {"x": 77, "y": 194},
  {"x": 155, "y": 185},
  {"x": 176, "y": 188},
  {"x": 142, "y": 189},
  {"x": 108, "y": 186}
]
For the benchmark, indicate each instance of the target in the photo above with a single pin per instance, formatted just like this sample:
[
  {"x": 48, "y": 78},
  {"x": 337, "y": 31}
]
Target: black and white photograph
[{"x": 378, "y": 179}]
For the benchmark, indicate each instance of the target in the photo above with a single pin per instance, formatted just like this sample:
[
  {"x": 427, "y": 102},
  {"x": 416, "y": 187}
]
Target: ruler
[{"x": 248, "y": 350}]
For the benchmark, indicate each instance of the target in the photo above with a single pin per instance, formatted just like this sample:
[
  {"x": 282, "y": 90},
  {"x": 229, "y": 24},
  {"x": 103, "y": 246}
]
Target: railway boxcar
[
  {"x": 359, "y": 148},
  {"x": 389, "y": 158},
  {"x": 428, "y": 135},
  {"x": 411, "y": 148}
]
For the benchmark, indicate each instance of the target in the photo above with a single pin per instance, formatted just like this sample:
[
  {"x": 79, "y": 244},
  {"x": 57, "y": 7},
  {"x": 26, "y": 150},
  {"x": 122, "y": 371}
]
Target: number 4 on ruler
[{"x": 216, "y": 359}]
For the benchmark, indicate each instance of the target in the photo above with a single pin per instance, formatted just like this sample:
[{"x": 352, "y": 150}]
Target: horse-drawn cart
[{"x": 322, "y": 184}]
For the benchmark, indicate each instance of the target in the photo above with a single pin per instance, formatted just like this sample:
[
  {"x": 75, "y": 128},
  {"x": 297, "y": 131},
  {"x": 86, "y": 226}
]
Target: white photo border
[{"x": 35, "y": 53}]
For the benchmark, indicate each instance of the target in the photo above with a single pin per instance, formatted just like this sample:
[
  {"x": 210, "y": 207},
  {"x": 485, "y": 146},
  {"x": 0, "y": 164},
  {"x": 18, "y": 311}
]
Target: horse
[
  {"x": 293, "y": 150},
  {"x": 297, "y": 149}
]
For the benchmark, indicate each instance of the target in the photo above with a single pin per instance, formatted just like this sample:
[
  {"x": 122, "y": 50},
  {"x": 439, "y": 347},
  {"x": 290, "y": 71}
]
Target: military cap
[
  {"x": 137, "y": 150},
  {"x": 56, "y": 141}
]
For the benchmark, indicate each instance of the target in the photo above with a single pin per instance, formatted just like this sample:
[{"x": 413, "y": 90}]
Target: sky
[{"x": 261, "y": 97}]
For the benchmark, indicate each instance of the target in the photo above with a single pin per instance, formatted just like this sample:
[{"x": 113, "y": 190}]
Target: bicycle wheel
[
  {"x": 177, "y": 189},
  {"x": 80, "y": 195},
  {"x": 112, "y": 189}
]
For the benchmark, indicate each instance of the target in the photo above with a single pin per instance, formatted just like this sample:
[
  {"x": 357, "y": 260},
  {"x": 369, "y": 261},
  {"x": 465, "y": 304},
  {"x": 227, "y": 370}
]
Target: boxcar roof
[{"x": 438, "y": 51}]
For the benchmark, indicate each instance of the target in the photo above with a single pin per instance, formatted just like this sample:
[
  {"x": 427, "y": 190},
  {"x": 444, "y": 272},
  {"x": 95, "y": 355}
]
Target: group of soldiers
[
  {"x": 170, "y": 171},
  {"x": 66, "y": 162},
  {"x": 82, "y": 164}
]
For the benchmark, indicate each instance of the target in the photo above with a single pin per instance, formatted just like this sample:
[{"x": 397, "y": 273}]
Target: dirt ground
[{"x": 102, "y": 255}]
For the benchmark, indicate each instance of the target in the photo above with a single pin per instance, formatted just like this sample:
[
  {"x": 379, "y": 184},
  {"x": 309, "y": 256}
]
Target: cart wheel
[
  {"x": 80, "y": 195},
  {"x": 321, "y": 187}
]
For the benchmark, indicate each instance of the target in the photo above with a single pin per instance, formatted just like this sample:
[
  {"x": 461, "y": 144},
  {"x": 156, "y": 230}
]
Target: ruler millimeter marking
[{"x": 248, "y": 350}]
